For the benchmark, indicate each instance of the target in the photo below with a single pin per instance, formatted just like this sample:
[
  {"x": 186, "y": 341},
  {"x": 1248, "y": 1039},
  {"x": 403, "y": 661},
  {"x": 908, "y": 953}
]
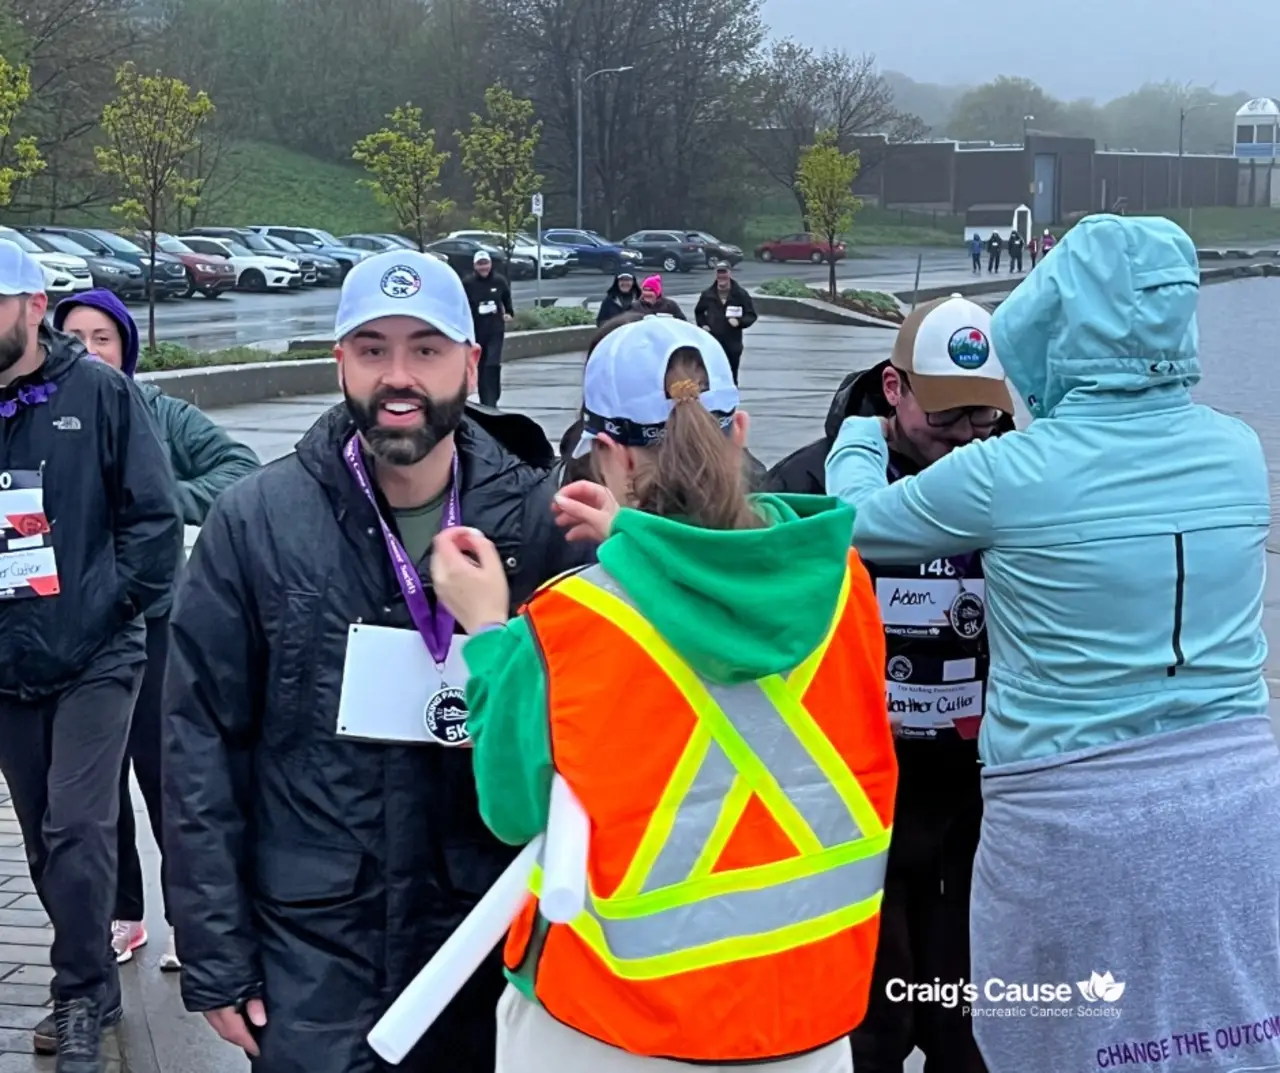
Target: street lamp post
[
  {"x": 581, "y": 81},
  {"x": 1025, "y": 120},
  {"x": 1183, "y": 112}
]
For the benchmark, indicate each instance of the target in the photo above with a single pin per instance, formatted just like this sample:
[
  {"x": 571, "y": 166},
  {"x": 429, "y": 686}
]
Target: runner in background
[
  {"x": 206, "y": 461},
  {"x": 726, "y": 310},
  {"x": 90, "y": 543},
  {"x": 489, "y": 295},
  {"x": 943, "y": 387},
  {"x": 743, "y": 833}
]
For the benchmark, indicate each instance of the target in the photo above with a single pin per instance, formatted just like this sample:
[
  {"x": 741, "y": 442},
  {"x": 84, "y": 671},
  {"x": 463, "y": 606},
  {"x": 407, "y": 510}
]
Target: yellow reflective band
[
  {"x": 819, "y": 746},
  {"x": 802, "y": 677},
  {"x": 731, "y": 810},
  {"x": 664, "y": 816},
  {"x": 752, "y": 768}
]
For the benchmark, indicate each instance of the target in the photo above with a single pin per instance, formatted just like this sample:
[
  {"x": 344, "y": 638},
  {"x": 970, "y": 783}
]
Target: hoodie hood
[
  {"x": 653, "y": 283},
  {"x": 109, "y": 304},
  {"x": 722, "y": 599},
  {"x": 1109, "y": 318},
  {"x": 615, "y": 291}
]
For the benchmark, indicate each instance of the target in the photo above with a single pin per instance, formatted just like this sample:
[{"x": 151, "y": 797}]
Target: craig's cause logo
[
  {"x": 1101, "y": 990},
  {"x": 446, "y": 717},
  {"x": 969, "y": 348},
  {"x": 401, "y": 282},
  {"x": 1104, "y": 988}
]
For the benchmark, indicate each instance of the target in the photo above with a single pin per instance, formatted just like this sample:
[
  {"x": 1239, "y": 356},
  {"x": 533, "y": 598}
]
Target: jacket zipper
[{"x": 1181, "y": 567}]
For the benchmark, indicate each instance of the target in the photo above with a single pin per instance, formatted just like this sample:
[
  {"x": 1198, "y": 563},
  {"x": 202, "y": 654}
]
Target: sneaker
[
  {"x": 126, "y": 937},
  {"x": 44, "y": 1037},
  {"x": 169, "y": 959},
  {"x": 79, "y": 1027}
]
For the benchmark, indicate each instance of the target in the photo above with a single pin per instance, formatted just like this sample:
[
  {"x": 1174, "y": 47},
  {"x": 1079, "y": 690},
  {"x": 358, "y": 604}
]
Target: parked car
[
  {"x": 210, "y": 277},
  {"x": 555, "y": 259},
  {"x": 672, "y": 251},
  {"x": 168, "y": 274},
  {"x": 316, "y": 269},
  {"x": 254, "y": 271},
  {"x": 399, "y": 240},
  {"x": 314, "y": 240},
  {"x": 593, "y": 251},
  {"x": 64, "y": 273},
  {"x": 121, "y": 278},
  {"x": 461, "y": 252},
  {"x": 802, "y": 246},
  {"x": 715, "y": 249}
]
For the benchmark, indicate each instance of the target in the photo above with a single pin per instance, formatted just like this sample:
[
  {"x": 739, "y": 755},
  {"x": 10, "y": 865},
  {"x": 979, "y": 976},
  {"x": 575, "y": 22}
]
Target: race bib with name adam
[{"x": 28, "y": 567}]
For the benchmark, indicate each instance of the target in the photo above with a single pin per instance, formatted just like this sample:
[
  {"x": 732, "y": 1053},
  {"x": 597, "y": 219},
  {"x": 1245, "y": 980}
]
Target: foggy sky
[{"x": 1073, "y": 48}]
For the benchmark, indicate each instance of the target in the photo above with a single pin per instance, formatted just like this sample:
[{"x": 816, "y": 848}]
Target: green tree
[
  {"x": 150, "y": 131},
  {"x": 498, "y": 154},
  {"x": 19, "y": 157},
  {"x": 1000, "y": 111},
  {"x": 405, "y": 167},
  {"x": 825, "y": 182}
]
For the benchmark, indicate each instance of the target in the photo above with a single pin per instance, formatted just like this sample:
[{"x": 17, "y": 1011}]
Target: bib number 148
[{"x": 938, "y": 568}]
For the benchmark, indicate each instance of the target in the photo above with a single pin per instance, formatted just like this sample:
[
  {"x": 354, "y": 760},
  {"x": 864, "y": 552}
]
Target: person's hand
[
  {"x": 706, "y": 327},
  {"x": 585, "y": 510},
  {"x": 506, "y": 316},
  {"x": 886, "y": 428},
  {"x": 468, "y": 578},
  {"x": 229, "y": 1023},
  {"x": 733, "y": 322}
]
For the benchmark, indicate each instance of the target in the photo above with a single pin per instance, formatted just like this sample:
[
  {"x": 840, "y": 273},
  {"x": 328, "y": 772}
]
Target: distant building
[{"x": 1257, "y": 151}]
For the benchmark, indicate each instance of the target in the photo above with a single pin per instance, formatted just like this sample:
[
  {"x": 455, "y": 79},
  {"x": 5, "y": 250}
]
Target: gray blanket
[{"x": 1138, "y": 885}]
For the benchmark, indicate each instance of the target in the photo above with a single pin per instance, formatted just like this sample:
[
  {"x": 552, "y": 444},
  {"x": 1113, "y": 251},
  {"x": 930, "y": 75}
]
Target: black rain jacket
[
  {"x": 317, "y": 872},
  {"x": 110, "y": 499}
]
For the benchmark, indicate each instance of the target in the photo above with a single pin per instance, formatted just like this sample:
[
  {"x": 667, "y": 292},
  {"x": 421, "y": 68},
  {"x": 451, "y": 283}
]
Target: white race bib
[
  {"x": 488, "y": 307},
  {"x": 733, "y": 312},
  {"x": 419, "y": 704},
  {"x": 932, "y": 707},
  {"x": 27, "y": 564},
  {"x": 922, "y": 606}
]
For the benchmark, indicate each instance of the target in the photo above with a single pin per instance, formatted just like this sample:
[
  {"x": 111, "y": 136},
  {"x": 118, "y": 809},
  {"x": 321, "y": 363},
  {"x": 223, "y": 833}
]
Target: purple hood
[{"x": 109, "y": 304}]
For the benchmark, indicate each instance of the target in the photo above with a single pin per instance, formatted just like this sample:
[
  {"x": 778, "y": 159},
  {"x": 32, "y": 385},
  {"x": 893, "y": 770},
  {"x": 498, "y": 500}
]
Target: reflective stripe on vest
[{"x": 671, "y": 913}]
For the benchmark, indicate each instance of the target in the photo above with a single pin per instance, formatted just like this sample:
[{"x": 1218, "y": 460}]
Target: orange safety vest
[{"x": 739, "y": 834}]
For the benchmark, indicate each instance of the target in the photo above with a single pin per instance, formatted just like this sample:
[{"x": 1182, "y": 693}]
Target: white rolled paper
[
  {"x": 564, "y": 869},
  {"x": 418, "y": 1006}
]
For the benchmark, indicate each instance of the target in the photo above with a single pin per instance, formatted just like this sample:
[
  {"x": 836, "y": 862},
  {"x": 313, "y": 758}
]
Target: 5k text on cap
[
  {"x": 624, "y": 392},
  {"x": 405, "y": 283},
  {"x": 20, "y": 273}
]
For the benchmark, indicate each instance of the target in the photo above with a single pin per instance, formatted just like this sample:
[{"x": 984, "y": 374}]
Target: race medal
[
  {"x": 446, "y": 717},
  {"x": 968, "y": 615}
]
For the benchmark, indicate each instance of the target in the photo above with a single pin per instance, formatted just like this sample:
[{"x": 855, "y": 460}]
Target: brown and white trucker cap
[{"x": 944, "y": 346}]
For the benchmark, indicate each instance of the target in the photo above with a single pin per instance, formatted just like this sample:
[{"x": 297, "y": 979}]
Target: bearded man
[{"x": 319, "y": 866}]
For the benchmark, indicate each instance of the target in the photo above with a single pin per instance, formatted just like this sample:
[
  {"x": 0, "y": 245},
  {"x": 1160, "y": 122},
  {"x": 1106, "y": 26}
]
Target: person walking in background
[
  {"x": 1015, "y": 251},
  {"x": 1047, "y": 243},
  {"x": 742, "y": 836},
  {"x": 89, "y": 546},
  {"x": 726, "y": 310},
  {"x": 653, "y": 304},
  {"x": 994, "y": 245},
  {"x": 1033, "y": 248},
  {"x": 205, "y": 461},
  {"x": 621, "y": 298},
  {"x": 975, "y": 252},
  {"x": 1131, "y": 780},
  {"x": 489, "y": 295}
]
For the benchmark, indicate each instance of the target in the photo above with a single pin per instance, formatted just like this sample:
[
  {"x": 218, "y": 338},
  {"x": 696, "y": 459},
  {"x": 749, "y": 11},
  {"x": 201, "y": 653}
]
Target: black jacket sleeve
[
  {"x": 749, "y": 315},
  {"x": 506, "y": 298},
  {"x": 557, "y": 555},
  {"x": 700, "y": 312},
  {"x": 148, "y": 526},
  {"x": 212, "y": 710}
]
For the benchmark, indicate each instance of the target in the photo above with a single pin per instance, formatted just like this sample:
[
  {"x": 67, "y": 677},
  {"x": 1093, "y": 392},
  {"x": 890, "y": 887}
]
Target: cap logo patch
[
  {"x": 401, "y": 282},
  {"x": 969, "y": 348}
]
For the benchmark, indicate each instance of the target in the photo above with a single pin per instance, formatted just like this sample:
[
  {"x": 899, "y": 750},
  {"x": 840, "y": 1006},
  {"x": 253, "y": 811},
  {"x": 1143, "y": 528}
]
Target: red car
[
  {"x": 205, "y": 275},
  {"x": 803, "y": 246}
]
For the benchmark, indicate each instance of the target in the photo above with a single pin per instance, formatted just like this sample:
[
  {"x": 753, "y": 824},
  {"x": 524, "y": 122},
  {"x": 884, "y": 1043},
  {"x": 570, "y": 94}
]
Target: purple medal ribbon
[{"x": 435, "y": 626}]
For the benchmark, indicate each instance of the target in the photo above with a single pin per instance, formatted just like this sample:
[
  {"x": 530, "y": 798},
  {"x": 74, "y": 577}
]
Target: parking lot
[{"x": 241, "y": 319}]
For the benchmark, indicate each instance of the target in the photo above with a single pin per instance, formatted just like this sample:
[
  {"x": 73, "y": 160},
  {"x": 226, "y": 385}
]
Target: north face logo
[{"x": 68, "y": 424}]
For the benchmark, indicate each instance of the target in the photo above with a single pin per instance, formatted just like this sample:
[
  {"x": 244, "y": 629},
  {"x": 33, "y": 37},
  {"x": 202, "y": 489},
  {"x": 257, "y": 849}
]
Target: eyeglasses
[{"x": 980, "y": 417}]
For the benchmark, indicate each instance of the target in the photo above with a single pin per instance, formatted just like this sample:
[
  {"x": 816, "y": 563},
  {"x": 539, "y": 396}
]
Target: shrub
[
  {"x": 529, "y": 320},
  {"x": 874, "y": 299},
  {"x": 786, "y": 288},
  {"x": 166, "y": 356}
]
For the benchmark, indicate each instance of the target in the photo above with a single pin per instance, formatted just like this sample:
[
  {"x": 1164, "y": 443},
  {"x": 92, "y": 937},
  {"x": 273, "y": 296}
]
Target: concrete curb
[{"x": 816, "y": 311}]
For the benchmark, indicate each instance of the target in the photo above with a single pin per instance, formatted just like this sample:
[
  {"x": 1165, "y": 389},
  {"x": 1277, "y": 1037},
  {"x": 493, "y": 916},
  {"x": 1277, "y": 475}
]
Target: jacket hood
[
  {"x": 109, "y": 304},
  {"x": 616, "y": 292},
  {"x": 859, "y": 395},
  {"x": 722, "y": 598},
  {"x": 1111, "y": 316}
]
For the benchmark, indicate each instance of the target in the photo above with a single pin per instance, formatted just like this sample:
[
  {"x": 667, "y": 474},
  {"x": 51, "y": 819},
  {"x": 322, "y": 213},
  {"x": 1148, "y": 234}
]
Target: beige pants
[{"x": 530, "y": 1040}]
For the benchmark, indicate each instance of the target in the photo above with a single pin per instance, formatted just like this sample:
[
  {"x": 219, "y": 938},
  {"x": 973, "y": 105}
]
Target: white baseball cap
[
  {"x": 481, "y": 257},
  {"x": 624, "y": 393},
  {"x": 945, "y": 348},
  {"x": 405, "y": 283},
  {"x": 20, "y": 273}
]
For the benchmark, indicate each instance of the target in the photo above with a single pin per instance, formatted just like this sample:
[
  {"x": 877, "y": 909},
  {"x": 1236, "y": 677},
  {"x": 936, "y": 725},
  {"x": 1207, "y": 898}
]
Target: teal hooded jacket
[{"x": 1123, "y": 532}]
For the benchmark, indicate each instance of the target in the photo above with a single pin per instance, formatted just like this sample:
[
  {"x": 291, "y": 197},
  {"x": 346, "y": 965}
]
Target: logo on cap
[
  {"x": 969, "y": 348},
  {"x": 401, "y": 282}
]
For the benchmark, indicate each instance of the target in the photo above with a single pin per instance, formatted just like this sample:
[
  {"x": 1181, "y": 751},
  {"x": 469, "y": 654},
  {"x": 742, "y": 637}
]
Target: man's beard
[
  {"x": 13, "y": 346},
  {"x": 405, "y": 446}
]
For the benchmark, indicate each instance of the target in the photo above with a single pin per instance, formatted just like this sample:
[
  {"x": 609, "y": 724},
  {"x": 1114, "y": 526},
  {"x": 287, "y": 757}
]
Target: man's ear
[
  {"x": 337, "y": 357},
  {"x": 473, "y": 365},
  {"x": 891, "y": 382}
]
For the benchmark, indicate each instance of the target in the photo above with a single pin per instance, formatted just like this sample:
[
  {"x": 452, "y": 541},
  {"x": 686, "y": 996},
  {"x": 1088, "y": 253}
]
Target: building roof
[{"x": 1258, "y": 107}]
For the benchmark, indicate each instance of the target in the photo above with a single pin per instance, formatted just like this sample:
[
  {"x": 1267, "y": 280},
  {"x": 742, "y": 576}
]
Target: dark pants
[
  {"x": 490, "y": 372},
  {"x": 61, "y": 758},
  {"x": 144, "y": 752},
  {"x": 924, "y": 921},
  {"x": 733, "y": 350},
  {"x": 977, "y": 262},
  {"x": 993, "y": 261},
  {"x": 1015, "y": 261}
]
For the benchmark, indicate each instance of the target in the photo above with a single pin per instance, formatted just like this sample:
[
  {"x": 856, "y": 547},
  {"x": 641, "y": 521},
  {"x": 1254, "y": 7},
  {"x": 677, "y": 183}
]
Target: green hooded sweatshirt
[{"x": 736, "y": 605}]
